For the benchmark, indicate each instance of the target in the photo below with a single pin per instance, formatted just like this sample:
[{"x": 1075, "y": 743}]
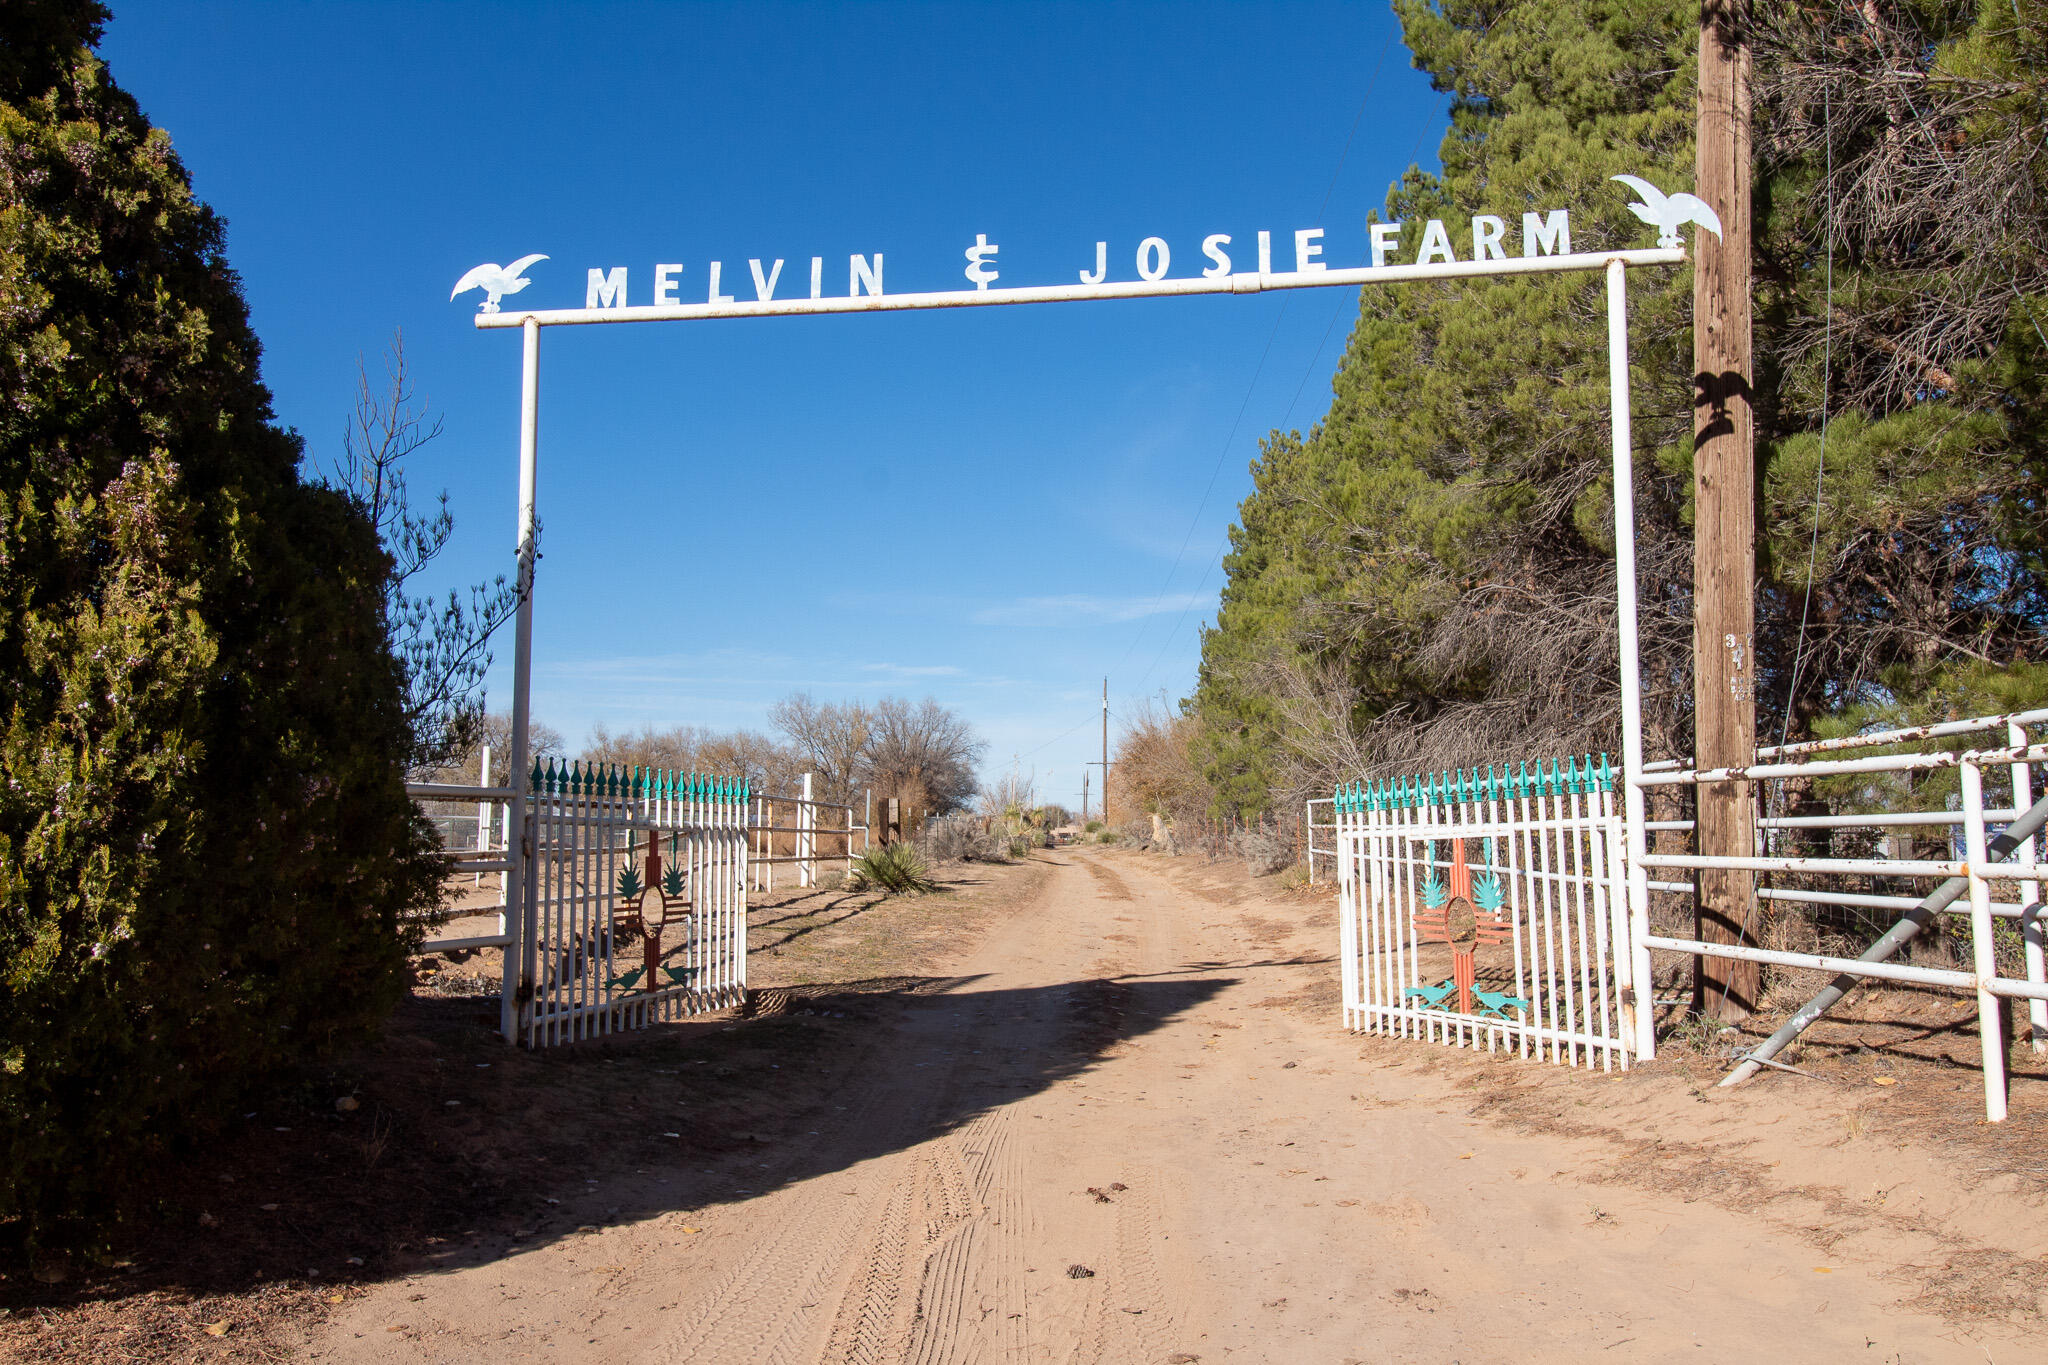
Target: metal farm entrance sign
[{"x": 594, "y": 875}]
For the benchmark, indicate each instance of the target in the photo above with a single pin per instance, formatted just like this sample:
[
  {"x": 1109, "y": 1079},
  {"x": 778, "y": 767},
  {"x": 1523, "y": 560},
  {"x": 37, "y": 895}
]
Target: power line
[{"x": 1827, "y": 371}]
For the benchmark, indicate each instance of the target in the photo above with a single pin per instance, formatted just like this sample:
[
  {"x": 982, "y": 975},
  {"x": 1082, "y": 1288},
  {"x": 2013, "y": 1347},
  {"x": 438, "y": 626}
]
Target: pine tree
[
  {"x": 1431, "y": 567},
  {"x": 1426, "y": 580},
  {"x": 205, "y": 844}
]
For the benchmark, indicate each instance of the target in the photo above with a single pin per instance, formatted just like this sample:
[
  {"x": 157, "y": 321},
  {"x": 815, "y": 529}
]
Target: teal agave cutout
[
  {"x": 672, "y": 880},
  {"x": 630, "y": 885},
  {"x": 1434, "y": 893},
  {"x": 1487, "y": 892}
]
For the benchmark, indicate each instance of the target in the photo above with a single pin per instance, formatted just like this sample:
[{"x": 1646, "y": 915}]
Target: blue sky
[{"x": 996, "y": 507}]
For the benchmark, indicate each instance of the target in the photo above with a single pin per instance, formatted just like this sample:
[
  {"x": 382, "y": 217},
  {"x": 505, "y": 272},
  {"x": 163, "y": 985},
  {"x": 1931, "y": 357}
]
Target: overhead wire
[{"x": 1827, "y": 371}]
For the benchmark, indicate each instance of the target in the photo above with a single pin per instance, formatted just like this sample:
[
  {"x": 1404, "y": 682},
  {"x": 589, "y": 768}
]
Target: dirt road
[{"x": 1115, "y": 1136}]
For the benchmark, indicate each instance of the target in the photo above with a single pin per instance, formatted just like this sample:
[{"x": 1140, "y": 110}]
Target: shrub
[
  {"x": 205, "y": 844},
  {"x": 1262, "y": 849},
  {"x": 892, "y": 868},
  {"x": 959, "y": 838}
]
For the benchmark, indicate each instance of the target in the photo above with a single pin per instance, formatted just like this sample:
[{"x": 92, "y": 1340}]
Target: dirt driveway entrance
[{"x": 1128, "y": 1129}]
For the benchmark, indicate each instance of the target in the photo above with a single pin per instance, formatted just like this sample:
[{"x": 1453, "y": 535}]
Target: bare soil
[{"x": 1084, "y": 1109}]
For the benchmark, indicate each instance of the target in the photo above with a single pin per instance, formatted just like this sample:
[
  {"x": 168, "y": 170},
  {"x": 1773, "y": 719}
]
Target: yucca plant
[{"x": 893, "y": 868}]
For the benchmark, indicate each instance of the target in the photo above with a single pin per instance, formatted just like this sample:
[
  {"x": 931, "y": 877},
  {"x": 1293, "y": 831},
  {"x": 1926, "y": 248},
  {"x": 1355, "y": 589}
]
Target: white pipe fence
[
  {"x": 1310, "y": 826},
  {"x": 814, "y": 818},
  {"x": 2009, "y": 765}
]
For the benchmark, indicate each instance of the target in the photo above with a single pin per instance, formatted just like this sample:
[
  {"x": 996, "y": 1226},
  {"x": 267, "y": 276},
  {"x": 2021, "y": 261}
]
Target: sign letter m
[
  {"x": 609, "y": 291},
  {"x": 1551, "y": 236}
]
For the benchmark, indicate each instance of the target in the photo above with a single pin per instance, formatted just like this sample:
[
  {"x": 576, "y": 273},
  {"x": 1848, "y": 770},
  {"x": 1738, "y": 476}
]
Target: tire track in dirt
[{"x": 795, "y": 1267}]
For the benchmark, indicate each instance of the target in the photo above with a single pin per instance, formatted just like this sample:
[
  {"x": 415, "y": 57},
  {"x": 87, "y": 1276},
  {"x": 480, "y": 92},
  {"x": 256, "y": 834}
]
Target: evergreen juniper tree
[{"x": 205, "y": 844}]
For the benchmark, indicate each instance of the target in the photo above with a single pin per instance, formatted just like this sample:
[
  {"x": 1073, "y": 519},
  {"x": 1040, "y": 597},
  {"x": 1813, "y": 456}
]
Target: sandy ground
[{"x": 1128, "y": 1128}]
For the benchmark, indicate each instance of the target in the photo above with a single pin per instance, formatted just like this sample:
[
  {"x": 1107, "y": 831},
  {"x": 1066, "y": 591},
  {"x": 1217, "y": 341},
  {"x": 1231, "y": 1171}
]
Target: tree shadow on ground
[{"x": 440, "y": 1148}]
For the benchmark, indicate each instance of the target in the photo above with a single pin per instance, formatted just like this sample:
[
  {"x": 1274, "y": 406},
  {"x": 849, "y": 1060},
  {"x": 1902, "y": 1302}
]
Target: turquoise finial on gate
[{"x": 1606, "y": 775}]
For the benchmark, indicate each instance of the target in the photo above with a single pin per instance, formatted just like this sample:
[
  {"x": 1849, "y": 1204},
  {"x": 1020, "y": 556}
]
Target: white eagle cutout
[
  {"x": 496, "y": 281},
  {"x": 1668, "y": 213}
]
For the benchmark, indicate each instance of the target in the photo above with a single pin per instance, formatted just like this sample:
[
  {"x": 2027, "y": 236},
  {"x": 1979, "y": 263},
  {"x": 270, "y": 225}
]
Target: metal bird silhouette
[
  {"x": 1668, "y": 214},
  {"x": 496, "y": 281}
]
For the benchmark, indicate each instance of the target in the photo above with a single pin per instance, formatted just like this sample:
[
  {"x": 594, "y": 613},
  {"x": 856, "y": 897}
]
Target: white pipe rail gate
[
  {"x": 1487, "y": 909},
  {"x": 809, "y": 814},
  {"x": 1310, "y": 827}
]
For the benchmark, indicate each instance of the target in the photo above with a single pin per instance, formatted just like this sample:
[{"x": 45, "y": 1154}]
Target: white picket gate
[
  {"x": 637, "y": 899},
  {"x": 1483, "y": 909}
]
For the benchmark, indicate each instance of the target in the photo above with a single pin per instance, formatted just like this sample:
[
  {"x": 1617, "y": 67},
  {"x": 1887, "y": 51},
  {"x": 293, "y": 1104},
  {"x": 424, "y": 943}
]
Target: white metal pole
[
  {"x": 483, "y": 813},
  {"x": 1990, "y": 1033},
  {"x": 519, "y": 949},
  {"x": 1633, "y": 815},
  {"x": 807, "y": 870},
  {"x": 2030, "y": 894},
  {"x": 1308, "y": 837}
]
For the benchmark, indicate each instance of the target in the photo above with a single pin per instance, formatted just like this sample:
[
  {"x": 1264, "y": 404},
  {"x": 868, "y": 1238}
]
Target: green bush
[
  {"x": 892, "y": 868},
  {"x": 205, "y": 844}
]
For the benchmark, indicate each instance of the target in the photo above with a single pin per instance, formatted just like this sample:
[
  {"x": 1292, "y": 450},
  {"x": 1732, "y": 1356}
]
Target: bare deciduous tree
[{"x": 443, "y": 647}]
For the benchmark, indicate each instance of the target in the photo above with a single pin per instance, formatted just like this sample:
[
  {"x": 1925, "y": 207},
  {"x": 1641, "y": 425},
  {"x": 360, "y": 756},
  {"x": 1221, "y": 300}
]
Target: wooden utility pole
[
  {"x": 1085, "y": 775},
  {"x": 1105, "y": 751},
  {"x": 1724, "y": 511}
]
